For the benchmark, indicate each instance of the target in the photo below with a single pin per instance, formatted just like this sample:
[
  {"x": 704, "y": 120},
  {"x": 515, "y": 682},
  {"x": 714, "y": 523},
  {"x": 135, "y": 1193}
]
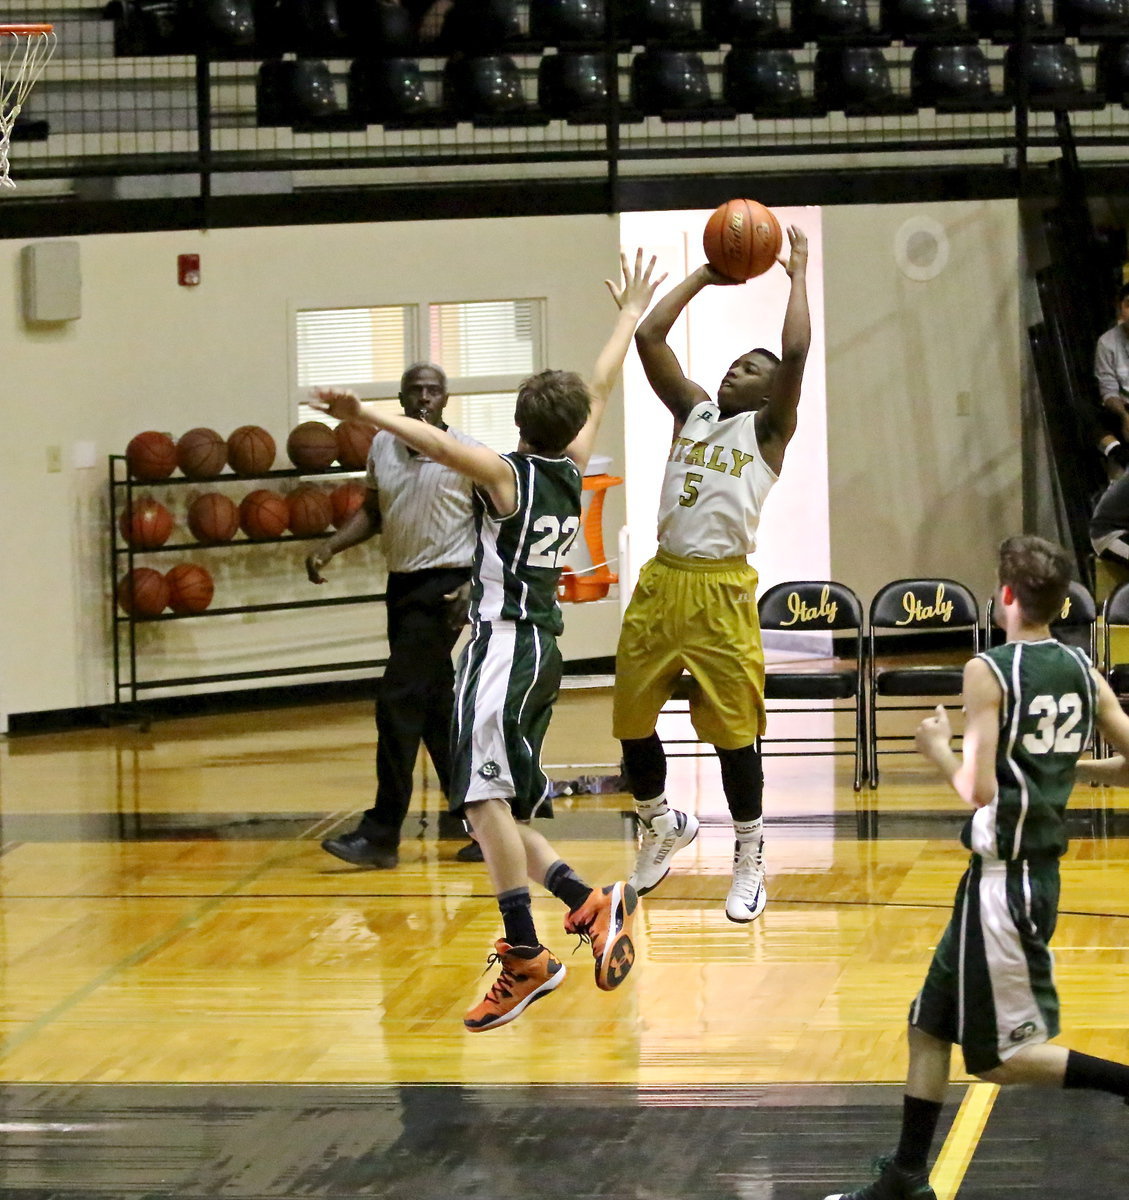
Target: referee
[{"x": 423, "y": 510}]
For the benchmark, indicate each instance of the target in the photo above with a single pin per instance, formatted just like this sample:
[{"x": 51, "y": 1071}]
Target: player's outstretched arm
[
  {"x": 485, "y": 467},
  {"x": 631, "y": 298},
  {"x": 973, "y": 775},
  {"x": 776, "y": 422},
  {"x": 664, "y": 372},
  {"x": 1114, "y": 726}
]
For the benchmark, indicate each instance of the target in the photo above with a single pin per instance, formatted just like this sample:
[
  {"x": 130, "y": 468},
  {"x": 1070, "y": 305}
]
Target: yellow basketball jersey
[{"x": 715, "y": 483}]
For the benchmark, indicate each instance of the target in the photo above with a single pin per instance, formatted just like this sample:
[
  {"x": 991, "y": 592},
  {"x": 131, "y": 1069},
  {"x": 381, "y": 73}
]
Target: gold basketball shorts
[{"x": 697, "y": 616}]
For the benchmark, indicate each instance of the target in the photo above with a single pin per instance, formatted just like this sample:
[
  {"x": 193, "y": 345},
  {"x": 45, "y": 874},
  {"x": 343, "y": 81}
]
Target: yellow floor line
[{"x": 964, "y": 1136}]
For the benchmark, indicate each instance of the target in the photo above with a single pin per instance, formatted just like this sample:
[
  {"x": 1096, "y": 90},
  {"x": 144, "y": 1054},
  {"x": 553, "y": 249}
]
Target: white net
[{"x": 23, "y": 55}]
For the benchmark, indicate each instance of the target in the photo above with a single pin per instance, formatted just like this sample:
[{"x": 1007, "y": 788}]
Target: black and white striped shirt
[{"x": 425, "y": 507}]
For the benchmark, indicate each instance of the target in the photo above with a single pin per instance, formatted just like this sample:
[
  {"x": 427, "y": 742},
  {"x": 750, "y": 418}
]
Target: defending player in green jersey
[{"x": 527, "y": 512}]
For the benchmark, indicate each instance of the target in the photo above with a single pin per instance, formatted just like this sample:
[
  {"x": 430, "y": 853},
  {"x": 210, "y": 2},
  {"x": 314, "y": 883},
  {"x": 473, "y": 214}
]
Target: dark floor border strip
[{"x": 62, "y": 720}]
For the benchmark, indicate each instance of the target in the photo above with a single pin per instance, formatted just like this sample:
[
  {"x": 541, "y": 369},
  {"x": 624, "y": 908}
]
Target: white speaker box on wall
[{"x": 52, "y": 281}]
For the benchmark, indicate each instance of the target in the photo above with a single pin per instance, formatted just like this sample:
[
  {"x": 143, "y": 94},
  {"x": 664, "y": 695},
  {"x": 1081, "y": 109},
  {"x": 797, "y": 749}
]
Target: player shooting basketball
[{"x": 695, "y": 606}]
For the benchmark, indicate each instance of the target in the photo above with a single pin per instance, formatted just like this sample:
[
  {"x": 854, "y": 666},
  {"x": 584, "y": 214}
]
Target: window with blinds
[{"x": 486, "y": 348}]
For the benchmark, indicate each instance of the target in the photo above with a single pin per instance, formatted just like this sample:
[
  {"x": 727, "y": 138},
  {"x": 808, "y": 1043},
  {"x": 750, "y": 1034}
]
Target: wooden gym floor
[{"x": 197, "y": 1000}]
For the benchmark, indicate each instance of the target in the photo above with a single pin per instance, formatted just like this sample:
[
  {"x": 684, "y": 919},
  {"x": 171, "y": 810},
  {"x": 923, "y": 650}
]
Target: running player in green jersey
[
  {"x": 1030, "y": 708},
  {"x": 527, "y": 513}
]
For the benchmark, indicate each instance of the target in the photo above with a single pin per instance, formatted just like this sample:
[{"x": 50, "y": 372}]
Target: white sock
[
  {"x": 648, "y": 810},
  {"x": 750, "y": 835}
]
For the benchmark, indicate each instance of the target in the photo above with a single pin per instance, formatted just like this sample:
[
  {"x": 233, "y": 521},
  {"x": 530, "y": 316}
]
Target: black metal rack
[{"x": 129, "y": 678}]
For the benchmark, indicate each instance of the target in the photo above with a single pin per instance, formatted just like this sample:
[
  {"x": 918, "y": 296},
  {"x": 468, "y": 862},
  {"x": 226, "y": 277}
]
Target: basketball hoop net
[{"x": 24, "y": 51}]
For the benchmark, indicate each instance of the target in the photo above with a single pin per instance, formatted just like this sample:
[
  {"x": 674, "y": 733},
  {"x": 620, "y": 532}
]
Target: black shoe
[
  {"x": 471, "y": 852},
  {"x": 361, "y": 851},
  {"x": 893, "y": 1183}
]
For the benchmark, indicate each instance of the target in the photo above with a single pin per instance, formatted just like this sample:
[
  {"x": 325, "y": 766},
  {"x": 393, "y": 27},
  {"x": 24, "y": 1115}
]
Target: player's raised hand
[
  {"x": 342, "y": 406},
  {"x": 797, "y": 257},
  {"x": 713, "y": 275},
  {"x": 638, "y": 286}
]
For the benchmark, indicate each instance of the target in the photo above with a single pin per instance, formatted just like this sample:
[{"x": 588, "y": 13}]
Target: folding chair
[
  {"x": 932, "y": 609},
  {"x": 818, "y": 606},
  {"x": 1115, "y": 658}
]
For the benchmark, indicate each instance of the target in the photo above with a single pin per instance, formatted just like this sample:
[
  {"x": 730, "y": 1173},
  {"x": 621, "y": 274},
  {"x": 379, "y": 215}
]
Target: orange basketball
[
  {"x": 312, "y": 446},
  {"x": 143, "y": 592},
  {"x": 213, "y": 517},
  {"x": 742, "y": 239},
  {"x": 345, "y": 500},
  {"x": 190, "y": 588},
  {"x": 310, "y": 511},
  {"x": 201, "y": 453},
  {"x": 151, "y": 456},
  {"x": 146, "y": 523},
  {"x": 353, "y": 441},
  {"x": 264, "y": 514},
  {"x": 250, "y": 450}
]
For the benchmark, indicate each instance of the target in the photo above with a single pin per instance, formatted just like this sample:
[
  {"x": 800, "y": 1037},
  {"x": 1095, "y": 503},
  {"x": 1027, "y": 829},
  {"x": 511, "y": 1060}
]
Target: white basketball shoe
[
  {"x": 747, "y": 896},
  {"x": 662, "y": 839}
]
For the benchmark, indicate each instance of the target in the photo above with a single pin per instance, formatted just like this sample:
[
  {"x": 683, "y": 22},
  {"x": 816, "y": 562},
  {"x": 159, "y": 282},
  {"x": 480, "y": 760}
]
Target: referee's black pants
[{"x": 415, "y": 697}]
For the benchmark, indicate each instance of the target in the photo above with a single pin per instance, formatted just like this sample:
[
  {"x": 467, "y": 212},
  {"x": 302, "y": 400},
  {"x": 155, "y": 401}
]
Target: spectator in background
[
  {"x": 1111, "y": 368},
  {"x": 1109, "y": 526}
]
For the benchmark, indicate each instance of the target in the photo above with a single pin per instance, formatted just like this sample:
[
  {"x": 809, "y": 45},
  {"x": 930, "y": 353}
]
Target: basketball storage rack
[{"x": 131, "y": 680}]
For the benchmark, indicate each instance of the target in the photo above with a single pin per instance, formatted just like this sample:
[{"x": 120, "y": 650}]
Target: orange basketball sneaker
[
  {"x": 605, "y": 920},
  {"x": 528, "y": 973}
]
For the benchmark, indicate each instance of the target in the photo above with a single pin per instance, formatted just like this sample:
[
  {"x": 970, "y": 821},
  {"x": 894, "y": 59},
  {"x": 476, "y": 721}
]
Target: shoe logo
[
  {"x": 490, "y": 770},
  {"x": 621, "y": 961},
  {"x": 1022, "y": 1032}
]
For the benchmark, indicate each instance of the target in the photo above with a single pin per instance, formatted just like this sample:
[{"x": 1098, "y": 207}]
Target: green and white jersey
[
  {"x": 1046, "y": 720},
  {"x": 518, "y": 556}
]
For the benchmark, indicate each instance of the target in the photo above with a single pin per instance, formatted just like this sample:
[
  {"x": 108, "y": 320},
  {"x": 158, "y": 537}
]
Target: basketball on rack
[
  {"x": 151, "y": 456},
  {"x": 190, "y": 588},
  {"x": 742, "y": 239},
  {"x": 145, "y": 523},
  {"x": 250, "y": 450},
  {"x": 353, "y": 441},
  {"x": 143, "y": 592},
  {"x": 312, "y": 446},
  {"x": 213, "y": 518},
  {"x": 345, "y": 499},
  {"x": 310, "y": 511},
  {"x": 264, "y": 514},
  {"x": 201, "y": 453}
]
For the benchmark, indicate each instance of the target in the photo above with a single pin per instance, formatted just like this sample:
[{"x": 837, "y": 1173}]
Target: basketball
[
  {"x": 742, "y": 239},
  {"x": 190, "y": 588},
  {"x": 143, "y": 592},
  {"x": 146, "y": 524},
  {"x": 264, "y": 514},
  {"x": 213, "y": 518},
  {"x": 312, "y": 446},
  {"x": 345, "y": 500},
  {"x": 250, "y": 450},
  {"x": 151, "y": 456},
  {"x": 310, "y": 511},
  {"x": 201, "y": 453},
  {"x": 353, "y": 441}
]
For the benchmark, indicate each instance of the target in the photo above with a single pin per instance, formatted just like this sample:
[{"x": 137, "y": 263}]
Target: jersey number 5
[
  {"x": 556, "y": 538},
  {"x": 690, "y": 483},
  {"x": 1055, "y": 730}
]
